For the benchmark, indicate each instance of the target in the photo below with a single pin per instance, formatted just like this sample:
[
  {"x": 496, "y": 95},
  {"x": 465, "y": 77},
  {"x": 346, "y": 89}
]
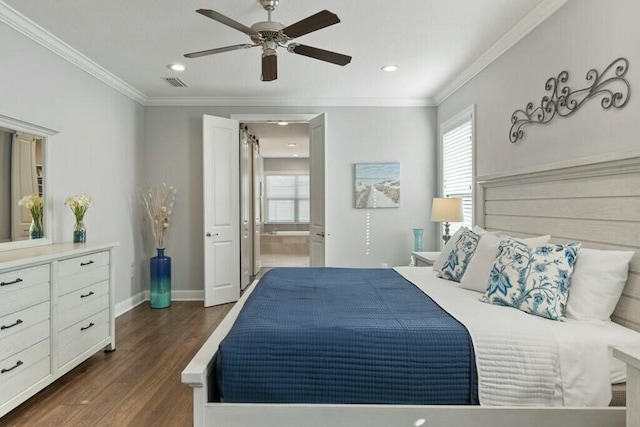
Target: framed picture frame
[{"x": 376, "y": 185}]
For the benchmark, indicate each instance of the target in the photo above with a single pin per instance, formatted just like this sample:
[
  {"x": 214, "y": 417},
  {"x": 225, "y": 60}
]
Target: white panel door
[
  {"x": 258, "y": 163},
  {"x": 24, "y": 181},
  {"x": 246, "y": 202},
  {"x": 221, "y": 172},
  {"x": 317, "y": 188}
]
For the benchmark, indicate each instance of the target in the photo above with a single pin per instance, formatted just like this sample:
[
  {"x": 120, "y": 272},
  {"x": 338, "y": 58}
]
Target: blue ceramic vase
[
  {"x": 160, "y": 266},
  {"x": 417, "y": 239}
]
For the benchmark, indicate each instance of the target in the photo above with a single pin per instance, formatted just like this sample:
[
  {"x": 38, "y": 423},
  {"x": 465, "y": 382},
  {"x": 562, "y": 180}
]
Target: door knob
[
  {"x": 209, "y": 234},
  {"x": 320, "y": 234}
]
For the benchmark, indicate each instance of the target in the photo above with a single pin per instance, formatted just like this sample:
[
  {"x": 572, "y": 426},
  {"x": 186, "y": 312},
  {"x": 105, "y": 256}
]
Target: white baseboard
[
  {"x": 136, "y": 300},
  {"x": 126, "y": 305},
  {"x": 185, "y": 295}
]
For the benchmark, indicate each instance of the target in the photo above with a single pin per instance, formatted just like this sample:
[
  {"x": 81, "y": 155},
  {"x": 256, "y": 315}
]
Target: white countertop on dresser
[{"x": 36, "y": 254}]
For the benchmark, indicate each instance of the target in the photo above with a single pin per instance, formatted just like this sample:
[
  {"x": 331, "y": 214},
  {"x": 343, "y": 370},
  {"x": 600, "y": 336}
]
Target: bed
[{"x": 595, "y": 201}]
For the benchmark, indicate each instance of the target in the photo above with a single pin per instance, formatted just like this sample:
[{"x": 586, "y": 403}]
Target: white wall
[
  {"x": 581, "y": 35},
  {"x": 172, "y": 148},
  {"x": 97, "y": 149}
]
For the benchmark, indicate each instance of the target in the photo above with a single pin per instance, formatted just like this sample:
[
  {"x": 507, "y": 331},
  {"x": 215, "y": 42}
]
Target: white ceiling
[
  {"x": 274, "y": 139},
  {"x": 431, "y": 42}
]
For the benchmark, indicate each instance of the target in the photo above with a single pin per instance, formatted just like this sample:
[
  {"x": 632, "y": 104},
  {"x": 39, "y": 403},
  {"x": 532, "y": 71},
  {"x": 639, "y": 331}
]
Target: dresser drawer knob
[
  {"x": 86, "y": 295},
  {"x": 3, "y": 327},
  {"x": 18, "y": 280},
  {"x": 84, "y": 328},
  {"x": 18, "y": 363},
  {"x": 82, "y": 264}
]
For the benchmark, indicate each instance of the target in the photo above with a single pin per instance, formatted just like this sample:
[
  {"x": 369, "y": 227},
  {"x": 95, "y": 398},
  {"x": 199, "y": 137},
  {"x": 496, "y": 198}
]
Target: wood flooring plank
[{"x": 137, "y": 385}]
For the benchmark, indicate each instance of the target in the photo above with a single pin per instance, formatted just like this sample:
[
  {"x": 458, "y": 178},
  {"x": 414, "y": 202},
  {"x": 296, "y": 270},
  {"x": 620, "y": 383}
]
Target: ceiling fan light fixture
[
  {"x": 389, "y": 68},
  {"x": 270, "y": 35},
  {"x": 177, "y": 67}
]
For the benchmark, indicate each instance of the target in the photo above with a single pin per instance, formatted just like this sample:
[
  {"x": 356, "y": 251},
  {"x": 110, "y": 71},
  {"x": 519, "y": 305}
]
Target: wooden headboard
[{"x": 594, "y": 200}]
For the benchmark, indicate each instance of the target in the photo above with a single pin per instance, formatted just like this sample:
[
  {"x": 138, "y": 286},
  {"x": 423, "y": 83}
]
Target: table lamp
[{"x": 446, "y": 210}]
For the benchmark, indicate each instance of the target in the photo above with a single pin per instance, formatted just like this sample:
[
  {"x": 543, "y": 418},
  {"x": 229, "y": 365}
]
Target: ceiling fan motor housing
[
  {"x": 269, "y": 5},
  {"x": 268, "y": 31}
]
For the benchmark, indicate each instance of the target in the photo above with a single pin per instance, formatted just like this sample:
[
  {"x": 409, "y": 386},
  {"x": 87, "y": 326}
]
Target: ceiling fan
[{"x": 270, "y": 35}]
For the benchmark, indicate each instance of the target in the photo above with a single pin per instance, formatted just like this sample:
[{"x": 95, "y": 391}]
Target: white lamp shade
[{"x": 446, "y": 210}]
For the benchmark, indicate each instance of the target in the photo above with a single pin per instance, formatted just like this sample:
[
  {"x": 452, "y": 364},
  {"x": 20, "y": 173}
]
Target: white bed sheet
[{"x": 525, "y": 360}]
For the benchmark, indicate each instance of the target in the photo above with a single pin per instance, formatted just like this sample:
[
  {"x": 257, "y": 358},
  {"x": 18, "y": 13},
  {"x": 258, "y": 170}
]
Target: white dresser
[{"x": 56, "y": 310}]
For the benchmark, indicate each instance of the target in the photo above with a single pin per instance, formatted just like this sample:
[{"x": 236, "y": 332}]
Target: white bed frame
[{"x": 592, "y": 200}]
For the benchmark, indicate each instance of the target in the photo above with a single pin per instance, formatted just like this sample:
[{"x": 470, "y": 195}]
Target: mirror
[{"x": 23, "y": 168}]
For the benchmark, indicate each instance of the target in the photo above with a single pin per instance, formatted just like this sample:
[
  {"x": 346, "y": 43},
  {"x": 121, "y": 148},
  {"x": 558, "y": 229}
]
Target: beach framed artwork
[{"x": 377, "y": 185}]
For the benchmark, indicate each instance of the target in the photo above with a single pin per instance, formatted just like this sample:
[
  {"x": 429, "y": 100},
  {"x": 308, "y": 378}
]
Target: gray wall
[
  {"x": 96, "y": 152},
  {"x": 279, "y": 164},
  {"x": 173, "y": 145},
  {"x": 583, "y": 34}
]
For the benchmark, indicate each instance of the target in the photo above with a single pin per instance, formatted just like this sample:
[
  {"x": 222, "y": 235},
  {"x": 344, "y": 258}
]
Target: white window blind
[
  {"x": 457, "y": 169},
  {"x": 287, "y": 198}
]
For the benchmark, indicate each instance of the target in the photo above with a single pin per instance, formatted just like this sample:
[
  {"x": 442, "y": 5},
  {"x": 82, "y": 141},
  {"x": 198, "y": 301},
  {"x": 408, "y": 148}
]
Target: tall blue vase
[
  {"x": 417, "y": 239},
  {"x": 160, "y": 280}
]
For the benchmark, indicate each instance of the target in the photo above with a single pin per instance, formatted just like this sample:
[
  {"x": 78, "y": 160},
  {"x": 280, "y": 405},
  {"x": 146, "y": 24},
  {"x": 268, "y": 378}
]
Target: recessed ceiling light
[
  {"x": 295, "y": 155},
  {"x": 291, "y": 144},
  {"x": 389, "y": 68},
  {"x": 283, "y": 123},
  {"x": 177, "y": 67}
]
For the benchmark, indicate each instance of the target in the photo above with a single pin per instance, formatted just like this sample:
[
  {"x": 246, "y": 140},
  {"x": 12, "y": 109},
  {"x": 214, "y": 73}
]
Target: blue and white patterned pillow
[
  {"x": 532, "y": 279},
  {"x": 459, "y": 257}
]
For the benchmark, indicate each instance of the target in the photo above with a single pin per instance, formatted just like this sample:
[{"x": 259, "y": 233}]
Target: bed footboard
[
  {"x": 197, "y": 372},
  {"x": 251, "y": 415}
]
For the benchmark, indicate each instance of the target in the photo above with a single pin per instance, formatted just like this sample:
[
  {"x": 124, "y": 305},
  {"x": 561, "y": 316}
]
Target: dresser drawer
[
  {"x": 18, "y": 300},
  {"x": 83, "y": 279},
  {"x": 21, "y": 279},
  {"x": 83, "y": 303},
  {"x": 82, "y": 264},
  {"x": 16, "y": 329},
  {"x": 81, "y": 336},
  {"x": 17, "y": 342},
  {"x": 21, "y": 371}
]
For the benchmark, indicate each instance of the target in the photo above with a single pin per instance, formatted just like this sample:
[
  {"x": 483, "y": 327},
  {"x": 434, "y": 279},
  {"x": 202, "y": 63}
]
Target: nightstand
[
  {"x": 631, "y": 356},
  {"x": 424, "y": 259}
]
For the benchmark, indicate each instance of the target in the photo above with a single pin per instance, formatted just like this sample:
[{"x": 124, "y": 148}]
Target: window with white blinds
[
  {"x": 287, "y": 198},
  {"x": 457, "y": 169}
]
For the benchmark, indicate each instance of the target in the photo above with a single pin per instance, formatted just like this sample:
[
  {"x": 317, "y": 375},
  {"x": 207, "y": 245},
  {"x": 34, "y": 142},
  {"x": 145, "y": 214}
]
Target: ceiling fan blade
[
  {"x": 226, "y": 21},
  {"x": 312, "y": 23},
  {"x": 269, "y": 68},
  {"x": 218, "y": 50},
  {"x": 321, "y": 54}
]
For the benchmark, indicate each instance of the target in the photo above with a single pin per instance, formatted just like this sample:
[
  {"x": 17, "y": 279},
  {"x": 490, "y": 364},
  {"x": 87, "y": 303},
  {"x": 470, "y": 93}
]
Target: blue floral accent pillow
[
  {"x": 459, "y": 257},
  {"x": 532, "y": 279}
]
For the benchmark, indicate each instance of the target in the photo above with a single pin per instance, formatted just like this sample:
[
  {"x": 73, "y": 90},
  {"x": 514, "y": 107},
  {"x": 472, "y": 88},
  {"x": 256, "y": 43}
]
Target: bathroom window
[{"x": 287, "y": 198}]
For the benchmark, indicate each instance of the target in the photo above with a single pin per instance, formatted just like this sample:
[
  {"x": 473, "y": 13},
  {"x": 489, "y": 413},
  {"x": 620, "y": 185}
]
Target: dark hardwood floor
[{"x": 138, "y": 384}]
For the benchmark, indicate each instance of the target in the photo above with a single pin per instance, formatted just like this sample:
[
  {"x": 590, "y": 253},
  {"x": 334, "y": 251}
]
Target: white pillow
[
  {"x": 597, "y": 283},
  {"x": 481, "y": 231},
  {"x": 444, "y": 253},
  {"x": 477, "y": 273}
]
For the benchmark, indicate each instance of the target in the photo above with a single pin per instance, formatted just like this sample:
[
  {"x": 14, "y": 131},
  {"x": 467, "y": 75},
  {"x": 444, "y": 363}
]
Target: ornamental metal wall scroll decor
[{"x": 562, "y": 101}]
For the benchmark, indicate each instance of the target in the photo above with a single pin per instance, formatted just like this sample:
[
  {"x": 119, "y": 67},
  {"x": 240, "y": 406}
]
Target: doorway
[
  {"x": 313, "y": 126},
  {"x": 283, "y": 174},
  {"x": 226, "y": 268}
]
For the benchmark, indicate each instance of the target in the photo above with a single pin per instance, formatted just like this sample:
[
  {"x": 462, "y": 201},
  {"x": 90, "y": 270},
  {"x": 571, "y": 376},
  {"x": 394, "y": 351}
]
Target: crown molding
[
  {"x": 27, "y": 27},
  {"x": 287, "y": 102},
  {"x": 537, "y": 16}
]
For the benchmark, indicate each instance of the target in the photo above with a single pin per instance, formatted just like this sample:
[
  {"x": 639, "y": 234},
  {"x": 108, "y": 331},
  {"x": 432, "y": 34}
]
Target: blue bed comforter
[{"x": 330, "y": 335}]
